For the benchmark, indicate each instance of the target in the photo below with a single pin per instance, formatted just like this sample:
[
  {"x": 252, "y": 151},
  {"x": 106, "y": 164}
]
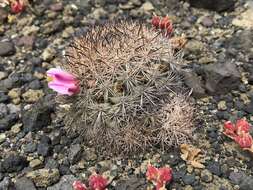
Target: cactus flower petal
[
  {"x": 78, "y": 185},
  {"x": 62, "y": 82}
]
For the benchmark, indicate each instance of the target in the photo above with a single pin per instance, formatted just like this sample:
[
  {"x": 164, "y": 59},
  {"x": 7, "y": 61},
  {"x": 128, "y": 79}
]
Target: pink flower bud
[
  {"x": 155, "y": 21},
  {"x": 78, "y": 185},
  {"x": 97, "y": 182},
  {"x": 245, "y": 140},
  {"x": 242, "y": 126},
  {"x": 17, "y": 6},
  {"x": 62, "y": 82}
]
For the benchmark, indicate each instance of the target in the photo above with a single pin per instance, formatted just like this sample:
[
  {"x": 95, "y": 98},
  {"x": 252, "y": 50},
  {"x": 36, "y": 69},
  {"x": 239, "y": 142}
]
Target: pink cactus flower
[
  {"x": 245, "y": 141},
  {"x": 78, "y": 185},
  {"x": 97, "y": 182},
  {"x": 62, "y": 82},
  {"x": 242, "y": 126},
  {"x": 17, "y": 6}
]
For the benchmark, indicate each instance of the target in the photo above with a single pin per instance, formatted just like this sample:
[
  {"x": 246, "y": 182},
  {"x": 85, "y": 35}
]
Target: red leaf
[
  {"x": 97, "y": 182},
  {"x": 155, "y": 21},
  {"x": 78, "y": 185}
]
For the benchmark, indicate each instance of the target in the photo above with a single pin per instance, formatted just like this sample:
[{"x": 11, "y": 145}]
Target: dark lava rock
[
  {"x": 7, "y": 48},
  {"x": 56, "y": 7},
  {"x": 35, "y": 84},
  {"x": 14, "y": 163},
  {"x": 207, "y": 21},
  {"x": 216, "y": 5},
  {"x": 221, "y": 78},
  {"x": 43, "y": 149},
  {"x": 214, "y": 168},
  {"x": 131, "y": 184},
  {"x": 24, "y": 184},
  {"x": 3, "y": 97},
  {"x": 206, "y": 176},
  {"x": 177, "y": 175},
  {"x": 64, "y": 170},
  {"x": 65, "y": 183},
  {"x": 51, "y": 164},
  {"x": 8, "y": 121},
  {"x": 249, "y": 108},
  {"x": 6, "y": 184},
  {"x": 30, "y": 147},
  {"x": 188, "y": 179},
  {"x": 192, "y": 80},
  {"x": 241, "y": 41},
  {"x": 236, "y": 177},
  {"x": 26, "y": 41},
  {"x": 75, "y": 153},
  {"x": 247, "y": 184},
  {"x": 37, "y": 118}
]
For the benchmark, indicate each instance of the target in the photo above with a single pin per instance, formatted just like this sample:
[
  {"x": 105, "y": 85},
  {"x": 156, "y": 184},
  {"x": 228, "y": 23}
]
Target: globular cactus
[{"x": 126, "y": 77}]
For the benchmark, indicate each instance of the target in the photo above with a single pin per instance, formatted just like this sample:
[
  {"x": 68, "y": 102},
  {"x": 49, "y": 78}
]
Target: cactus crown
[{"x": 126, "y": 77}]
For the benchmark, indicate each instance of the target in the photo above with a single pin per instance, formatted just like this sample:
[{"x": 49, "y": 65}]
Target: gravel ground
[{"x": 36, "y": 152}]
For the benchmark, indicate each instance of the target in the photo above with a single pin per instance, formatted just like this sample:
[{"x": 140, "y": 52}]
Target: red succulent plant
[
  {"x": 239, "y": 133},
  {"x": 159, "y": 176},
  {"x": 245, "y": 140},
  {"x": 96, "y": 182}
]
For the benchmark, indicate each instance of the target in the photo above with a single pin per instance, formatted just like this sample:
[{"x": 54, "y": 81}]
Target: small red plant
[
  {"x": 159, "y": 176},
  {"x": 96, "y": 182},
  {"x": 239, "y": 133},
  {"x": 164, "y": 24}
]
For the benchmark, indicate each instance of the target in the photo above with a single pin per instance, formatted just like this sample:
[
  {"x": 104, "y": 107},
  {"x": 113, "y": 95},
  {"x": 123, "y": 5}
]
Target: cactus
[{"x": 126, "y": 77}]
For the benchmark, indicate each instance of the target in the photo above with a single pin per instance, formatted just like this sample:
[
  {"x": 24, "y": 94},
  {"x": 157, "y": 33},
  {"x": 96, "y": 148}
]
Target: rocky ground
[{"x": 35, "y": 151}]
